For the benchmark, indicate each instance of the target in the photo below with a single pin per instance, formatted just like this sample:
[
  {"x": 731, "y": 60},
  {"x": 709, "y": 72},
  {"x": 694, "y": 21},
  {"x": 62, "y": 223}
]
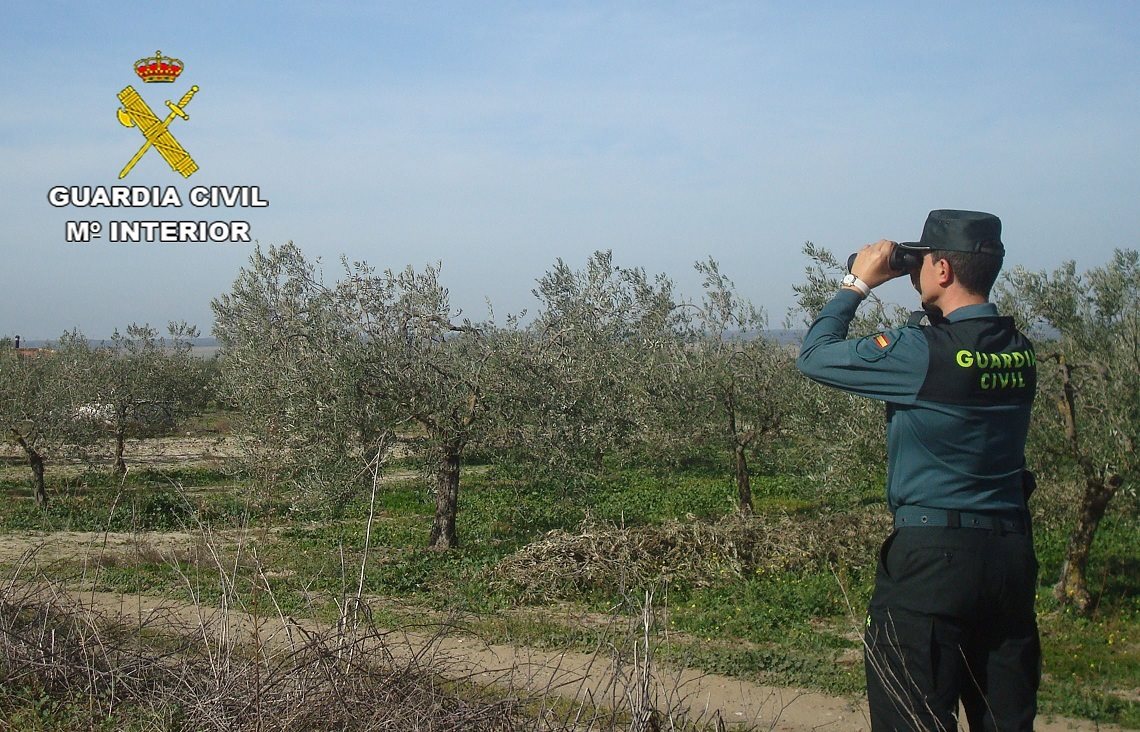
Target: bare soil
[{"x": 153, "y": 452}]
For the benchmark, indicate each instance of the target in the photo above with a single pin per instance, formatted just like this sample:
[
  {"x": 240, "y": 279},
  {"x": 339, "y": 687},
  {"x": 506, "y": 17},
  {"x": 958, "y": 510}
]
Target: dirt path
[{"x": 578, "y": 676}]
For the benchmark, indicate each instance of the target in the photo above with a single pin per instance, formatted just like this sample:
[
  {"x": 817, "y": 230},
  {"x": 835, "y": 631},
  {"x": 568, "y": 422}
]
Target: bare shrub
[{"x": 319, "y": 681}]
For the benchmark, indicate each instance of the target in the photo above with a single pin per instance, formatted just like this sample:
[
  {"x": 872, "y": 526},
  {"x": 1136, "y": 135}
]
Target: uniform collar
[{"x": 966, "y": 312}]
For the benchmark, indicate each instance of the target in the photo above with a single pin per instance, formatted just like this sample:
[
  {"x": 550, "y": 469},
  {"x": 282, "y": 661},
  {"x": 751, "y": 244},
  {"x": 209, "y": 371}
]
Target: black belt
[{"x": 940, "y": 517}]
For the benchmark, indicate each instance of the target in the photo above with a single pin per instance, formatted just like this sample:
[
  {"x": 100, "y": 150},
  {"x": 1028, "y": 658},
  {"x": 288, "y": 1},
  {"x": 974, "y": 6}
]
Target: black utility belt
[{"x": 912, "y": 516}]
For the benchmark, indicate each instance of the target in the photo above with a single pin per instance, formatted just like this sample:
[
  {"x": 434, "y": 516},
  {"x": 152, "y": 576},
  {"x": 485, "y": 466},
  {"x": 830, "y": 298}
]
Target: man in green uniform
[{"x": 952, "y": 614}]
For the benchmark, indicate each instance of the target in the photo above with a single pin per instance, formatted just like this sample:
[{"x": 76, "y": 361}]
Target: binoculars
[{"x": 901, "y": 260}]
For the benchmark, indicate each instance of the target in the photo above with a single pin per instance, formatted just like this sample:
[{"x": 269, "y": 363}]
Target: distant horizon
[{"x": 780, "y": 335}]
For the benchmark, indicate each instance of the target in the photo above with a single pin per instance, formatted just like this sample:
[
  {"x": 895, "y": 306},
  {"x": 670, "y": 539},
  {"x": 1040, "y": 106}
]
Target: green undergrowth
[
  {"x": 792, "y": 628},
  {"x": 1092, "y": 664},
  {"x": 29, "y": 706},
  {"x": 143, "y": 500}
]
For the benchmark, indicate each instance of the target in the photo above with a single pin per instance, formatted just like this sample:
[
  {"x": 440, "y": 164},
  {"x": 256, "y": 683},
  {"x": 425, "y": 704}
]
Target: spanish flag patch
[{"x": 882, "y": 341}]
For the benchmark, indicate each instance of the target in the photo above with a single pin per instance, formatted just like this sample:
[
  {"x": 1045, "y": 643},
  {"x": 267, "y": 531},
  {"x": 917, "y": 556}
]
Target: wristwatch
[{"x": 852, "y": 281}]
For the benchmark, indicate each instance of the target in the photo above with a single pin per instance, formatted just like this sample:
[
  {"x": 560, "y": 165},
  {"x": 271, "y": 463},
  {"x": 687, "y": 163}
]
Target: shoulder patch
[{"x": 875, "y": 347}]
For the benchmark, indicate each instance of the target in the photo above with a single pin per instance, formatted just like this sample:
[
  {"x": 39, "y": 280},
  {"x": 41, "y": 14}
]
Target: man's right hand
[{"x": 872, "y": 263}]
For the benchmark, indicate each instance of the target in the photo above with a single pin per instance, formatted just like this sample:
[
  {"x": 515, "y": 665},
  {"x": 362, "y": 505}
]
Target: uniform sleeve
[{"x": 889, "y": 366}]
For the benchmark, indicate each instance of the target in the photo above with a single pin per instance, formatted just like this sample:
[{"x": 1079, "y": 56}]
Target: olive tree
[
  {"x": 583, "y": 379},
  {"x": 325, "y": 375},
  {"x": 142, "y": 384},
  {"x": 43, "y": 397},
  {"x": 26, "y": 405},
  {"x": 288, "y": 367},
  {"x": 738, "y": 377},
  {"x": 422, "y": 366},
  {"x": 1089, "y": 378}
]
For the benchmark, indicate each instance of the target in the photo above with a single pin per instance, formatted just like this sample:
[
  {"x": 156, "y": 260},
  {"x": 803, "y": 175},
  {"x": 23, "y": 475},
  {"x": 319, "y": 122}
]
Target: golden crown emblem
[{"x": 159, "y": 68}]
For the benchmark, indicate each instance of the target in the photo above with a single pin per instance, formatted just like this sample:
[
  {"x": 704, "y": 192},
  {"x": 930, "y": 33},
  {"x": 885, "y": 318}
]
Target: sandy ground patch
[
  {"x": 87, "y": 546},
  {"x": 152, "y": 452}
]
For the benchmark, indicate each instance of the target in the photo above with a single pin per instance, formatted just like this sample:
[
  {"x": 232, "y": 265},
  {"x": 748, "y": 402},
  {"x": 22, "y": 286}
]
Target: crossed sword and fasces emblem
[{"x": 136, "y": 113}]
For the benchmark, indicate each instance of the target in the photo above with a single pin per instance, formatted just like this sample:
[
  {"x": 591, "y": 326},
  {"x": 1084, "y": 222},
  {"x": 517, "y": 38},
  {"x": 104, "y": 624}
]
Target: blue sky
[{"x": 497, "y": 137}]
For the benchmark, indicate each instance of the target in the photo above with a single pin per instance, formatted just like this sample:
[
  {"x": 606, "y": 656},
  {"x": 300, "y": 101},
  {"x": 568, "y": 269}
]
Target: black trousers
[{"x": 952, "y": 619}]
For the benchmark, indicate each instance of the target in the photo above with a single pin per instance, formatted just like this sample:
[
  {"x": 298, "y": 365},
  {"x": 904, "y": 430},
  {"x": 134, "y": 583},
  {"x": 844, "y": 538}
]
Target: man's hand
[{"x": 872, "y": 263}]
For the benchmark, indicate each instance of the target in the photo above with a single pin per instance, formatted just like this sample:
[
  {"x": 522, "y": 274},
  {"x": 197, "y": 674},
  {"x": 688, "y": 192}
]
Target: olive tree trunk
[
  {"x": 743, "y": 482},
  {"x": 36, "y": 463},
  {"x": 443, "y": 533},
  {"x": 740, "y": 456},
  {"x": 120, "y": 448},
  {"x": 1072, "y": 587}
]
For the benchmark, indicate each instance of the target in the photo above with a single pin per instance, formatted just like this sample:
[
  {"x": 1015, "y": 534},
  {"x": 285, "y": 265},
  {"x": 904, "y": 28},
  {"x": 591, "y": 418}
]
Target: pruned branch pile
[{"x": 605, "y": 557}]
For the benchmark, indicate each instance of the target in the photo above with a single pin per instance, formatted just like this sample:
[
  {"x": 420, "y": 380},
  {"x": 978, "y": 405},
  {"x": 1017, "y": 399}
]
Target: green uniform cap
[{"x": 960, "y": 231}]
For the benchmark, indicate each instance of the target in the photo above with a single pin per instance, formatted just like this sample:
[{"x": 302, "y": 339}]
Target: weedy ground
[{"x": 776, "y": 597}]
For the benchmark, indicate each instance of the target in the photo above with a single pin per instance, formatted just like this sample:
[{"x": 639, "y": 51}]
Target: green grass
[
  {"x": 145, "y": 500},
  {"x": 788, "y": 628},
  {"x": 1091, "y": 667},
  {"x": 1092, "y": 664},
  {"x": 29, "y": 706}
]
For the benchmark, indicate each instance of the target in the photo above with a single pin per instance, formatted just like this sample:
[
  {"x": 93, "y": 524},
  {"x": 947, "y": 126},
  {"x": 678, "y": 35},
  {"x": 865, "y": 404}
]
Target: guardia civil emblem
[{"x": 135, "y": 113}]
